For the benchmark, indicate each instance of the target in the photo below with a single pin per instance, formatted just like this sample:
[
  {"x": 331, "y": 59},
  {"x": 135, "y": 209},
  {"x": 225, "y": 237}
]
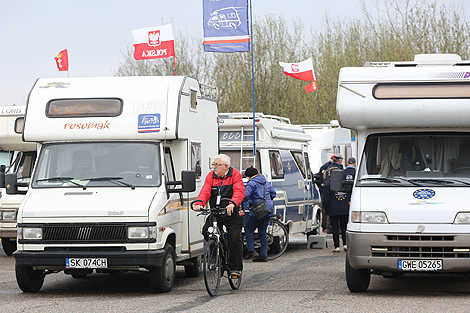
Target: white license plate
[
  {"x": 420, "y": 265},
  {"x": 86, "y": 263}
]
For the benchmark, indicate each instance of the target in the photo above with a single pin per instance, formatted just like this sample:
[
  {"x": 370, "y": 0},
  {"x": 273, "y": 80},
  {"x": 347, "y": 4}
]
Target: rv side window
[
  {"x": 196, "y": 159},
  {"x": 299, "y": 161},
  {"x": 277, "y": 170},
  {"x": 26, "y": 165},
  {"x": 193, "y": 100},
  {"x": 19, "y": 125},
  {"x": 169, "y": 168}
]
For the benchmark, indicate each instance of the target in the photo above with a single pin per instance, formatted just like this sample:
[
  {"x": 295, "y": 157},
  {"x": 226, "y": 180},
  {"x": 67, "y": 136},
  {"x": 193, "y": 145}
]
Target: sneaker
[
  {"x": 251, "y": 255},
  {"x": 260, "y": 259},
  {"x": 236, "y": 274},
  {"x": 345, "y": 248},
  {"x": 336, "y": 249}
]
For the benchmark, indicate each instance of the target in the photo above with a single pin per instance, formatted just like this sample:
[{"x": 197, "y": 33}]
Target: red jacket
[{"x": 230, "y": 186}]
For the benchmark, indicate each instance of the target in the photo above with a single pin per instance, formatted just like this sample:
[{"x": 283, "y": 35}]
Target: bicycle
[
  {"x": 216, "y": 253},
  {"x": 278, "y": 238}
]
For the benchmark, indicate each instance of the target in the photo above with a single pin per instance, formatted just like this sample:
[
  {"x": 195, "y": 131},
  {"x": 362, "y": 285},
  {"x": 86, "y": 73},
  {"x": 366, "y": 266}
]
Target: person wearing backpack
[{"x": 257, "y": 189}]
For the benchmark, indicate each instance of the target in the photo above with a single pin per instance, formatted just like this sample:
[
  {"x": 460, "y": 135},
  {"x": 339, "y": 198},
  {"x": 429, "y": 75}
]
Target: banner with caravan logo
[
  {"x": 154, "y": 42},
  {"x": 226, "y": 26}
]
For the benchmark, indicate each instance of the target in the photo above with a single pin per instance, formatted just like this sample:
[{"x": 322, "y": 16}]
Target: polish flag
[
  {"x": 311, "y": 87},
  {"x": 62, "y": 60},
  {"x": 302, "y": 70},
  {"x": 154, "y": 42}
]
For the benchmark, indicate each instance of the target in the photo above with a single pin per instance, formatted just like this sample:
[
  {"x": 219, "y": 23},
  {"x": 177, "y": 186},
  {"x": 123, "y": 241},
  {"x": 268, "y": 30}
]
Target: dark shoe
[
  {"x": 260, "y": 259},
  {"x": 251, "y": 255}
]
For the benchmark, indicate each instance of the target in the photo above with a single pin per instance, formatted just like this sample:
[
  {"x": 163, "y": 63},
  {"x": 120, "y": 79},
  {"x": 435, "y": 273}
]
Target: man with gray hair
[{"x": 226, "y": 182}]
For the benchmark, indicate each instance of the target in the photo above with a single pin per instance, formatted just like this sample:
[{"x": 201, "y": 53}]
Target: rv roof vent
[{"x": 437, "y": 58}]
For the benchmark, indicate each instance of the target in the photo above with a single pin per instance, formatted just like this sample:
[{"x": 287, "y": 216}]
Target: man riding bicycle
[{"x": 226, "y": 182}]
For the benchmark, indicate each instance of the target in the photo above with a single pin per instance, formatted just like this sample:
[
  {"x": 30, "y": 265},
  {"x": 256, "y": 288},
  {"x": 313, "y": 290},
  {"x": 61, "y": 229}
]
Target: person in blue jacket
[{"x": 257, "y": 189}]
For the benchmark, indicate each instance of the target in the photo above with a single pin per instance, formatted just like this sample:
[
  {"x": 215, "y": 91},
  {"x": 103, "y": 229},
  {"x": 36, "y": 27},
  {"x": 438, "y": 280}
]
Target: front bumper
[
  {"x": 8, "y": 229},
  {"x": 55, "y": 260},
  {"x": 381, "y": 251}
]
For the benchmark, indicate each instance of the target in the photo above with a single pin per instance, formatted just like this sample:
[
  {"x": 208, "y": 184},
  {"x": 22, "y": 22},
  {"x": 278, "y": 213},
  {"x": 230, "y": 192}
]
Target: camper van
[
  {"x": 409, "y": 211},
  {"x": 280, "y": 153},
  {"x": 21, "y": 157},
  {"x": 326, "y": 140},
  {"x": 115, "y": 172}
]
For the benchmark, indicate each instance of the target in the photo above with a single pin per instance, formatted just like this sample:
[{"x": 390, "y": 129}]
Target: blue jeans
[{"x": 251, "y": 223}]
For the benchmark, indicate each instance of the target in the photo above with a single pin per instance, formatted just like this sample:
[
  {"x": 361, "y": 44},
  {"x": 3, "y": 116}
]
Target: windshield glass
[
  {"x": 416, "y": 159},
  {"x": 126, "y": 164}
]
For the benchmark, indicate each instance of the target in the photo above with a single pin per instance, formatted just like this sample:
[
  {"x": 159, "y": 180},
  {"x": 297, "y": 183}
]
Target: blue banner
[{"x": 226, "y": 26}]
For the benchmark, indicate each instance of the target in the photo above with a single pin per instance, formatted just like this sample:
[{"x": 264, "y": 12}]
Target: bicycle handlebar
[{"x": 216, "y": 210}]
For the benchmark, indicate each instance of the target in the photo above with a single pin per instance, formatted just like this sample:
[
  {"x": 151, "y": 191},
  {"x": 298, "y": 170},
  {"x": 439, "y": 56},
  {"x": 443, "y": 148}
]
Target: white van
[
  {"x": 409, "y": 211},
  {"x": 115, "y": 172},
  {"x": 282, "y": 157},
  {"x": 22, "y": 156}
]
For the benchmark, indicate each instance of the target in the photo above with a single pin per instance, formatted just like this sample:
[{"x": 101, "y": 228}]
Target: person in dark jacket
[
  {"x": 337, "y": 207},
  {"x": 226, "y": 182},
  {"x": 257, "y": 189}
]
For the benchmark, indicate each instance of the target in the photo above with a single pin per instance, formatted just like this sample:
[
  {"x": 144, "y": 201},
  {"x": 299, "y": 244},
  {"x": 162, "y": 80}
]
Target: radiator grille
[
  {"x": 85, "y": 233},
  {"x": 419, "y": 238},
  {"x": 422, "y": 252}
]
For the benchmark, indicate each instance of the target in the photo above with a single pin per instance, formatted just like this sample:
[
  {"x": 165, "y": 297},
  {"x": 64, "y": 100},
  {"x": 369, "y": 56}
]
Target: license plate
[
  {"x": 86, "y": 263},
  {"x": 420, "y": 265}
]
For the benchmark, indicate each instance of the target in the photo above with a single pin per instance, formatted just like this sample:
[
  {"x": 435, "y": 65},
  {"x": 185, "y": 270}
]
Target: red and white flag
[
  {"x": 154, "y": 42},
  {"x": 62, "y": 60},
  {"x": 302, "y": 70}
]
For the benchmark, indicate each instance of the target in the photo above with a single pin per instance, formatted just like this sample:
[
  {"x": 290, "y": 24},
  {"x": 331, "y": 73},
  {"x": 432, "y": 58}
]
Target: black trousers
[
  {"x": 233, "y": 225},
  {"x": 339, "y": 222}
]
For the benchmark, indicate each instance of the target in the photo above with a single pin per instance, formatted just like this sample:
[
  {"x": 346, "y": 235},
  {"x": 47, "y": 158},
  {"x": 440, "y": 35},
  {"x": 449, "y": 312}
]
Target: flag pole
[
  {"x": 174, "y": 63},
  {"x": 252, "y": 79}
]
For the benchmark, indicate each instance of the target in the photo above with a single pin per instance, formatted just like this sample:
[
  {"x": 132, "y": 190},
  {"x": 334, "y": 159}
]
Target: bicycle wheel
[
  {"x": 278, "y": 238},
  {"x": 212, "y": 267}
]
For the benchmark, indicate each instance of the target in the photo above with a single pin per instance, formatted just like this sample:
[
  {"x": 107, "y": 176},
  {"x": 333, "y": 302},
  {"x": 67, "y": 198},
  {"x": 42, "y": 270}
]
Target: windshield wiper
[
  {"x": 389, "y": 180},
  {"x": 432, "y": 181},
  {"x": 63, "y": 179},
  {"x": 116, "y": 180}
]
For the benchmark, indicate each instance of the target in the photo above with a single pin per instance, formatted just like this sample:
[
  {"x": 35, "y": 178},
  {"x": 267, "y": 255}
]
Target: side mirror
[
  {"x": 188, "y": 179},
  {"x": 336, "y": 180},
  {"x": 2, "y": 179},
  {"x": 11, "y": 185}
]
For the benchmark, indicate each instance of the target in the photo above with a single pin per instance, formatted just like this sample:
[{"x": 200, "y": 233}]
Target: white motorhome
[
  {"x": 23, "y": 155},
  {"x": 409, "y": 211},
  {"x": 115, "y": 172},
  {"x": 328, "y": 139},
  {"x": 282, "y": 157}
]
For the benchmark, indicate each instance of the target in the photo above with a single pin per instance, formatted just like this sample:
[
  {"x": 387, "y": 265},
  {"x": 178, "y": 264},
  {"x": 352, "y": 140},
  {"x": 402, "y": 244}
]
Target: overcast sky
[{"x": 97, "y": 33}]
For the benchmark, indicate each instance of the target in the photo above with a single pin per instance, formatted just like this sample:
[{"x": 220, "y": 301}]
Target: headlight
[
  {"x": 462, "y": 218},
  {"x": 32, "y": 233},
  {"x": 369, "y": 217},
  {"x": 9, "y": 215},
  {"x": 142, "y": 232}
]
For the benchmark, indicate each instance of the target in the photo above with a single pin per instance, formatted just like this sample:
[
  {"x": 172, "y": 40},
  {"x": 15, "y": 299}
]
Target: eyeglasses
[{"x": 216, "y": 164}]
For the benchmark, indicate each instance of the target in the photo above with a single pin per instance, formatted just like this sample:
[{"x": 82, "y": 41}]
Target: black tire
[
  {"x": 278, "y": 238},
  {"x": 162, "y": 278},
  {"x": 195, "y": 269},
  {"x": 212, "y": 266},
  {"x": 28, "y": 279},
  {"x": 357, "y": 280},
  {"x": 8, "y": 245}
]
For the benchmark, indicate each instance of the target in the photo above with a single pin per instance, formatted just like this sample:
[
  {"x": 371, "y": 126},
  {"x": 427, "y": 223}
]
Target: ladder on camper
[{"x": 242, "y": 157}]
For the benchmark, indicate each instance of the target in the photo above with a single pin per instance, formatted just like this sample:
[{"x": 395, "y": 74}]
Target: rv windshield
[
  {"x": 98, "y": 164},
  {"x": 416, "y": 159}
]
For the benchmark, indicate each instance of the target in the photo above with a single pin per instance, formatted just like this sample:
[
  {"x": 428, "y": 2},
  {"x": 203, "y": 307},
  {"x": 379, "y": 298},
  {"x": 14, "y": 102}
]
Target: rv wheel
[
  {"x": 9, "y": 246},
  {"x": 194, "y": 270},
  {"x": 162, "y": 278},
  {"x": 357, "y": 280},
  {"x": 28, "y": 279}
]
